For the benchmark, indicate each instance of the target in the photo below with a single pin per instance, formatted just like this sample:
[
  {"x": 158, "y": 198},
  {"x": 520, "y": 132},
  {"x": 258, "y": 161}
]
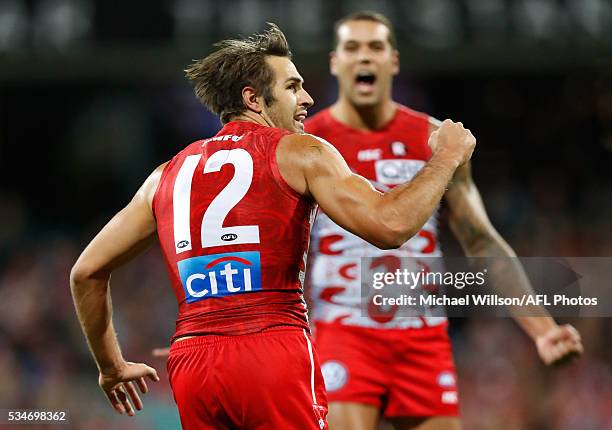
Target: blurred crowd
[{"x": 543, "y": 166}]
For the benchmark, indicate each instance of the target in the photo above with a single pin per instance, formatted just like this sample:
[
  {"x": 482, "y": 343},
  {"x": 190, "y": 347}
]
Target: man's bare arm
[
  {"x": 478, "y": 238},
  {"x": 129, "y": 233},
  {"x": 314, "y": 167}
]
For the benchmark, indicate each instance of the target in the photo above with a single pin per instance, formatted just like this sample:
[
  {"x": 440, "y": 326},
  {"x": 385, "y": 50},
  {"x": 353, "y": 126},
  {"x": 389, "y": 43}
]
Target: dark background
[{"x": 92, "y": 98}]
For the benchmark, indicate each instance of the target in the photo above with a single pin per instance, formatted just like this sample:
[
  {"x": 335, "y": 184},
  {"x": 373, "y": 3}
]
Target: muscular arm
[
  {"x": 314, "y": 167},
  {"x": 129, "y": 233},
  {"x": 478, "y": 238}
]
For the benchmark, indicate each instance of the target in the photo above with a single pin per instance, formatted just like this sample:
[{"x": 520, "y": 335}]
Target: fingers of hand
[
  {"x": 563, "y": 351},
  {"x": 567, "y": 335},
  {"x": 571, "y": 332},
  {"x": 142, "y": 385},
  {"x": 152, "y": 373},
  {"x": 114, "y": 401},
  {"x": 121, "y": 390},
  {"x": 570, "y": 346},
  {"x": 129, "y": 387},
  {"x": 560, "y": 350},
  {"x": 470, "y": 138},
  {"x": 123, "y": 397},
  {"x": 567, "y": 358},
  {"x": 138, "y": 370}
]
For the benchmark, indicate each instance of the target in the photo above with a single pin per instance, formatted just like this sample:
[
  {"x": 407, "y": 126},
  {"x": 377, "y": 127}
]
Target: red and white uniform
[
  {"x": 364, "y": 353},
  {"x": 234, "y": 236}
]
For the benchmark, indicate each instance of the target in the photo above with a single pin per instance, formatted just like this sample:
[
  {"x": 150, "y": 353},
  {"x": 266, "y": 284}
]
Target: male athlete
[
  {"x": 400, "y": 368},
  {"x": 232, "y": 214}
]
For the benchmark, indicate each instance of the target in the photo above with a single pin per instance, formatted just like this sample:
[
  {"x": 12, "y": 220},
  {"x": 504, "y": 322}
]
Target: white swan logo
[{"x": 335, "y": 375}]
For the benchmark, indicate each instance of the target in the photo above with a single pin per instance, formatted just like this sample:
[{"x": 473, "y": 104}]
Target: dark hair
[
  {"x": 366, "y": 15},
  {"x": 219, "y": 78}
]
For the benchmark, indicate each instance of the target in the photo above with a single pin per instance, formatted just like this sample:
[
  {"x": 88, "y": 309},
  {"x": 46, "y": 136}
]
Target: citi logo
[{"x": 219, "y": 275}]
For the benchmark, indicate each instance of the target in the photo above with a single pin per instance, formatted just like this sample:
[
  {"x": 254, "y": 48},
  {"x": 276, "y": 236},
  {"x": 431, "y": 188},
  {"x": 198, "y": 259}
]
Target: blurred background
[{"x": 92, "y": 98}]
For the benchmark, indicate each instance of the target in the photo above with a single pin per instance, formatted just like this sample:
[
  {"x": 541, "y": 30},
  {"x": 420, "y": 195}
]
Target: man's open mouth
[{"x": 365, "y": 80}]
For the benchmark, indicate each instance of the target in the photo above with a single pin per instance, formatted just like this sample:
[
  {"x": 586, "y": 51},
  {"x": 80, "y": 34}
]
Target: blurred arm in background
[
  {"x": 478, "y": 238},
  {"x": 129, "y": 233}
]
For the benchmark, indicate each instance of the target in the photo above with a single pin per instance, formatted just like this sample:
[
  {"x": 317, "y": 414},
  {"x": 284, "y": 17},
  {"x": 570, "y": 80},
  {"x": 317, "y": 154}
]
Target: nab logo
[{"x": 220, "y": 275}]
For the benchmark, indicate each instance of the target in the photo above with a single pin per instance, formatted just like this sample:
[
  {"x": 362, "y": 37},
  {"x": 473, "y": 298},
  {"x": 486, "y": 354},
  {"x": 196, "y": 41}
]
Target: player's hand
[
  {"x": 160, "y": 352},
  {"x": 559, "y": 345},
  {"x": 453, "y": 140},
  {"x": 119, "y": 386}
]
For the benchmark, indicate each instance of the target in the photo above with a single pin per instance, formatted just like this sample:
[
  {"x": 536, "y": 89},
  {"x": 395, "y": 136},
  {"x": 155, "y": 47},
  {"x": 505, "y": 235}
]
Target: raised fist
[{"x": 453, "y": 140}]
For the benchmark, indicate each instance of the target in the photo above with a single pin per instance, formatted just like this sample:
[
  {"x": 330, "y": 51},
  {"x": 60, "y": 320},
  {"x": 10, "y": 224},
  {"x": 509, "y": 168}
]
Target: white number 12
[{"x": 212, "y": 229}]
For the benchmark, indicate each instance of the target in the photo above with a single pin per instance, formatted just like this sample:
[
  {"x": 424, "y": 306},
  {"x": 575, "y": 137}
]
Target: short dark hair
[
  {"x": 366, "y": 15},
  {"x": 219, "y": 78}
]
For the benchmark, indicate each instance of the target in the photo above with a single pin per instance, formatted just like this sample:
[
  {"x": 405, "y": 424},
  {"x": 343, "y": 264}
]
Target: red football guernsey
[{"x": 234, "y": 235}]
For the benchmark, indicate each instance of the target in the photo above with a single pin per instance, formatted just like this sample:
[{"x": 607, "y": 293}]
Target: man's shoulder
[
  {"x": 404, "y": 113},
  {"x": 304, "y": 148},
  {"x": 299, "y": 140}
]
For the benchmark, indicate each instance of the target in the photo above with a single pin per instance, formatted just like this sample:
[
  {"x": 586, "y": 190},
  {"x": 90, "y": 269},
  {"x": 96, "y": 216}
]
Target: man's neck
[
  {"x": 249, "y": 116},
  {"x": 365, "y": 118}
]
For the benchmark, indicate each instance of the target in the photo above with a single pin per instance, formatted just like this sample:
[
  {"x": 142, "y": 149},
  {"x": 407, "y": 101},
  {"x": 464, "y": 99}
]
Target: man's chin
[
  {"x": 365, "y": 100},
  {"x": 298, "y": 126}
]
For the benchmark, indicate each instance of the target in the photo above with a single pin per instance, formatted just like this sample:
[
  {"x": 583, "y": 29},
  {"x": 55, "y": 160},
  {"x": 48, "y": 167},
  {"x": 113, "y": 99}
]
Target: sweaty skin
[{"x": 310, "y": 166}]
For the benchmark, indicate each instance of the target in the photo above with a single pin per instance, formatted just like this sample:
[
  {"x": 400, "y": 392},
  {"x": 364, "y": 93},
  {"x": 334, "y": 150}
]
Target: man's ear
[
  {"x": 251, "y": 100},
  {"x": 332, "y": 63},
  {"x": 396, "y": 61}
]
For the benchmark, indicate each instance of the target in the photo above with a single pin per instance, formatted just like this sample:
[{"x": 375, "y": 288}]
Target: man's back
[{"x": 233, "y": 234}]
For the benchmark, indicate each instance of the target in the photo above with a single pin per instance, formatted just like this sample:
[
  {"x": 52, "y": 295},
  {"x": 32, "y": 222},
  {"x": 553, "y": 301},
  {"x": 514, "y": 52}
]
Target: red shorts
[
  {"x": 265, "y": 381},
  {"x": 403, "y": 372}
]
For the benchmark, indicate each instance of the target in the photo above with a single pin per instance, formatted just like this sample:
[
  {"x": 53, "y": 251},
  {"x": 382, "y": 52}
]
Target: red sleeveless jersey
[
  {"x": 233, "y": 233},
  {"x": 405, "y": 137}
]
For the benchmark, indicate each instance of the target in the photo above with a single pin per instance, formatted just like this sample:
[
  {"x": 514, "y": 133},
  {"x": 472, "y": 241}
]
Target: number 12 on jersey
[{"x": 212, "y": 230}]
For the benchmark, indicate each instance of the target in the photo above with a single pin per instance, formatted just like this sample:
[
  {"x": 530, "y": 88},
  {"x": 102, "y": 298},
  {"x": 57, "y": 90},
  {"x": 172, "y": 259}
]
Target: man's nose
[
  {"x": 364, "y": 55},
  {"x": 305, "y": 100}
]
